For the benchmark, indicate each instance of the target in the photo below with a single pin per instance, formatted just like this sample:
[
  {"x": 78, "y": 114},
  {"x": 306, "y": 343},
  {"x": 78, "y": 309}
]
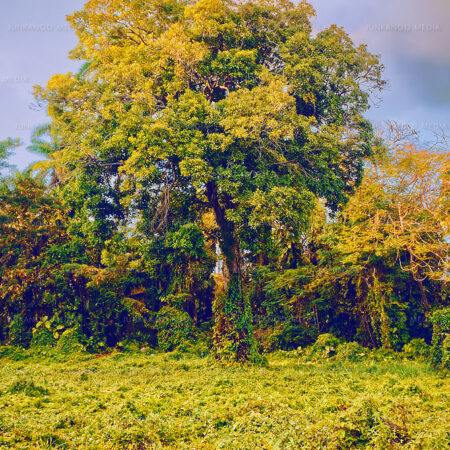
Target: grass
[{"x": 143, "y": 400}]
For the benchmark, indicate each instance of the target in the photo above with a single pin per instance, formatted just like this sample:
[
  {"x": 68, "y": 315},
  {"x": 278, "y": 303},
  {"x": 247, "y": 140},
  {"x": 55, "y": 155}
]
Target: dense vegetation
[{"x": 211, "y": 184}]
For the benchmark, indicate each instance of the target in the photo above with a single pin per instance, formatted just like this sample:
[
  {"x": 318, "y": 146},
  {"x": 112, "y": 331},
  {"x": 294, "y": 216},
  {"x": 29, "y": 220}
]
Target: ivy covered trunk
[
  {"x": 233, "y": 339},
  {"x": 440, "y": 351}
]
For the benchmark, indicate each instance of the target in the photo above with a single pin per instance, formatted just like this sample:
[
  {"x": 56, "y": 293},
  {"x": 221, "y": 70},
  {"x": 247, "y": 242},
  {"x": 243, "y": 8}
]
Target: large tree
[{"x": 237, "y": 108}]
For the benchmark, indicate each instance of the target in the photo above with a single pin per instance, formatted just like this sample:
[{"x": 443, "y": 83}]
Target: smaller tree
[
  {"x": 6, "y": 151},
  {"x": 401, "y": 210},
  {"x": 31, "y": 224},
  {"x": 383, "y": 263}
]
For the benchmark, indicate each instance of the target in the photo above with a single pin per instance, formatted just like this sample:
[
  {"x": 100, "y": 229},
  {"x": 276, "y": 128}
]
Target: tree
[
  {"x": 398, "y": 218},
  {"x": 31, "y": 225},
  {"x": 6, "y": 150},
  {"x": 46, "y": 272},
  {"x": 401, "y": 210},
  {"x": 379, "y": 268},
  {"x": 234, "y": 108}
]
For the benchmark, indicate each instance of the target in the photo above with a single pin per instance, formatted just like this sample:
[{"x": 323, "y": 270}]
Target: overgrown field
[{"x": 143, "y": 400}]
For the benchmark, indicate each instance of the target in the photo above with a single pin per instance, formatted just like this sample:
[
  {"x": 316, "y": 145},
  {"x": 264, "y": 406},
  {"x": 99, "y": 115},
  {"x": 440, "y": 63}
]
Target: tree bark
[
  {"x": 232, "y": 312},
  {"x": 229, "y": 245},
  {"x": 423, "y": 296}
]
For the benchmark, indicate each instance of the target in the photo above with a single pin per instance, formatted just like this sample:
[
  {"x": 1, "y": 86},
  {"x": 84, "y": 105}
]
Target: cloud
[
  {"x": 429, "y": 24},
  {"x": 412, "y": 38},
  {"x": 34, "y": 43}
]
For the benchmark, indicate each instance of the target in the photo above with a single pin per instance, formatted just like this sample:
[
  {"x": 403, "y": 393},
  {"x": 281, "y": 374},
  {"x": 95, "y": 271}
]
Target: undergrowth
[{"x": 140, "y": 400}]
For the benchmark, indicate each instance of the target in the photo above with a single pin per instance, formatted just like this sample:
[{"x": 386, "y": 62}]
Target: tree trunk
[
  {"x": 423, "y": 296},
  {"x": 229, "y": 245},
  {"x": 233, "y": 338}
]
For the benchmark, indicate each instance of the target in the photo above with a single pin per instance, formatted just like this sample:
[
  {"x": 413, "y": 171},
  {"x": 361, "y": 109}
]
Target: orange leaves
[
  {"x": 96, "y": 275},
  {"x": 401, "y": 210},
  {"x": 31, "y": 221}
]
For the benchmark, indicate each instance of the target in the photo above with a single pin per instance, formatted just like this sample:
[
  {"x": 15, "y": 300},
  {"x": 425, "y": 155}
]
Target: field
[{"x": 142, "y": 400}]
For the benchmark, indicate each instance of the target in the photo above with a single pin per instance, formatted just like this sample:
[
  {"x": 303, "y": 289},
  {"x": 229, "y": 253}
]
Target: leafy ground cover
[{"x": 143, "y": 400}]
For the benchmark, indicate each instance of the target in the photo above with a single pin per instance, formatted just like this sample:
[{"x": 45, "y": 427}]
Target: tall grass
[{"x": 143, "y": 400}]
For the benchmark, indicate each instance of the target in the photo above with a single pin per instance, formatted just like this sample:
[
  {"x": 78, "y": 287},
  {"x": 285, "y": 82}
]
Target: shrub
[
  {"x": 174, "y": 327},
  {"x": 385, "y": 354},
  {"x": 440, "y": 344},
  {"x": 416, "y": 349},
  {"x": 130, "y": 346},
  {"x": 14, "y": 353},
  {"x": 201, "y": 347},
  {"x": 290, "y": 336},
  {"x": 43, "y": 336},
  {"x": 350, "y": 351},
  {"x": 70, "y": 341},
  {"x": 7, "y": 350},
  {"x": 325, "y": 347},
  {"x": 263, "y": 338},
  {"x": 19, "y": 333}
]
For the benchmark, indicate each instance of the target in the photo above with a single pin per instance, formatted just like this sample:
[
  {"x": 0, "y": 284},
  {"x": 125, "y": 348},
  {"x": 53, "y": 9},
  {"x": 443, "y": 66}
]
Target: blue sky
[{"x": 412, "y": 36}]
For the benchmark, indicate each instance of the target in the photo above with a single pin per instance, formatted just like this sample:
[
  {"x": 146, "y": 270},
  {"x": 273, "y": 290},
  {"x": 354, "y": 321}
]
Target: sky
[{"x": 412, "y": 37}]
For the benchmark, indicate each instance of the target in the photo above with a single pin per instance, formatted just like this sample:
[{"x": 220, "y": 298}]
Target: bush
[
  {"x": 43, "y": 336},
  {"x": 350, "y": 351},
  {"x": 70, "y": 341},
  {"x": 385, "y": 354},
  {"x": 290, "y": 336},
  {"x": 416, "y": 349},
  {"x": 7, "y": 350},
  {"x": 325, "y": 347},
  {"x": 129, "y": 346},
  {"x": 201, "y": 347},
  {"x": 19, "y": 334},
  {"x": 175, "y": 328},
  {"x": 440, "y": 355}
]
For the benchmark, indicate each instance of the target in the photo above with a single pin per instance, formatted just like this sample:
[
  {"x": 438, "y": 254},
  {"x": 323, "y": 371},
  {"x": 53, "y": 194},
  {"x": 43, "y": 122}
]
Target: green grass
[{"x": 144, "y": 401}]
